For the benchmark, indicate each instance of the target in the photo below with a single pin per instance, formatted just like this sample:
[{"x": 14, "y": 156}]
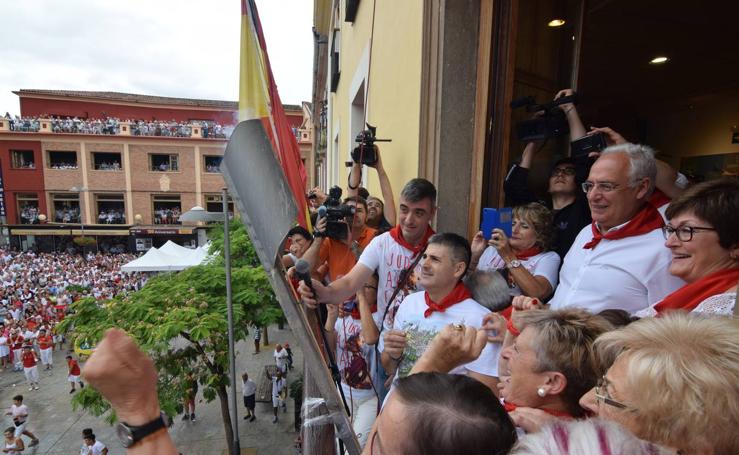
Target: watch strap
[{"x": 140, "y": 432}]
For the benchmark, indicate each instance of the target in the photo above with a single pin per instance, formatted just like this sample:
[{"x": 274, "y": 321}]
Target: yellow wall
[{"x": 394, "y": 87}]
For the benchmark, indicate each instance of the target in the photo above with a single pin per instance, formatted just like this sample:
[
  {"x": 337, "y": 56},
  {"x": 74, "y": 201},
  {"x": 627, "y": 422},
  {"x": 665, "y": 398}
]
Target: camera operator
[
  {"x": 341, "y": 255},
  {"x": 380, "y": 215},
  {"x": 568, "y": 202}
]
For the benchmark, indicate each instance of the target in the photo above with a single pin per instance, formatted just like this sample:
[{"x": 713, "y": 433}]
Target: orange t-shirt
[{"x": 339, "y": 256}]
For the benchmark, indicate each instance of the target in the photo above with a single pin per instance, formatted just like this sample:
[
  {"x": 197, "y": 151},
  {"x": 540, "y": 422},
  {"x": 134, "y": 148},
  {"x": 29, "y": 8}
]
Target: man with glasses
[{"x": 619, "y": 261}]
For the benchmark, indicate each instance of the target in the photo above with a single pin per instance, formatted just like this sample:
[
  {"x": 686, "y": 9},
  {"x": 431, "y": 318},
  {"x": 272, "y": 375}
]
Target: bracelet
[
  {"x": 328, "y": 330},
  {"x": 348, "y": 181},
  {"x": 569, "y": 110},
  {"x": 396, "y": 360}
]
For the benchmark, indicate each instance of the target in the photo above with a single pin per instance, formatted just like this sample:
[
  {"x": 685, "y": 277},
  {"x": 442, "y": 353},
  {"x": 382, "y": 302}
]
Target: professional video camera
[
  {"x": 338, "y": 216},
  {"x": 365, "y": 152},
  {"x": 552, "y": 122}
]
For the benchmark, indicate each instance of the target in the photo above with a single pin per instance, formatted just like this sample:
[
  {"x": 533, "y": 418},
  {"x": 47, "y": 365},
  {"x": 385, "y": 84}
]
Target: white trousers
[
  {"x": 17, "y": 353},
  {"x": 46, "y": 356},
  {"x": 31, "y": 375},
  {"x": 364, "y": 413}
]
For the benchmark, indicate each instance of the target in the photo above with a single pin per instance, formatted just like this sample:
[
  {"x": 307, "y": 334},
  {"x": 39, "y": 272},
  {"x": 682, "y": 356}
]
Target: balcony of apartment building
[{"x": 111, "y": 126}]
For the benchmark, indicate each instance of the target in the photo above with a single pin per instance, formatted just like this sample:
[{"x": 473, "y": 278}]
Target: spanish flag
[{"x": 258, "y": 99}]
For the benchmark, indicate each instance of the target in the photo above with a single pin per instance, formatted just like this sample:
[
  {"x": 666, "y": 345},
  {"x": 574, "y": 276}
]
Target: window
[
  {"x": 66, "y": 207},
  {"x": 335, "y": 68},
  {"x": 164, "y": 163},
  {"x": 166, "y": 209},
  {"x": 106, "y": 161},
  {"x": 213, "y": 163},
  {"x": 27, "y": 208},
  {"x": 62, "y": 160},
  {"x": 110, "y": 209},
  {"x": 214, "y": 203},
  {"x": 22, "y": 159}
]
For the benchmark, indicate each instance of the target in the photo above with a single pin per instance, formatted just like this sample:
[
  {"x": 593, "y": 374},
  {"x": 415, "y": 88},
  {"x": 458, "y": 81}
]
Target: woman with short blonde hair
[{"x": 674, "y": 381}]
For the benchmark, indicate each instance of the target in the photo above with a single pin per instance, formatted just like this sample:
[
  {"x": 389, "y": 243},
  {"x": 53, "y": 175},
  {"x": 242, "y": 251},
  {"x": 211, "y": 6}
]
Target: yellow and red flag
[{"x": 258, "y": 99}]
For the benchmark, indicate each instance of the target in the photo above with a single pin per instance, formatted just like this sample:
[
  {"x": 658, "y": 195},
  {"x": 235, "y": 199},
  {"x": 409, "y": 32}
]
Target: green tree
[{"x": 180, "y": 320}]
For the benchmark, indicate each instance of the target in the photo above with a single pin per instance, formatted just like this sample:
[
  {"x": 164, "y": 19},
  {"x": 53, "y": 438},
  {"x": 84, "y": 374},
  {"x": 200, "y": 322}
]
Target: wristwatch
[
  {"x": 130, "y": 435},
  {"x": 514, "y": 264}
]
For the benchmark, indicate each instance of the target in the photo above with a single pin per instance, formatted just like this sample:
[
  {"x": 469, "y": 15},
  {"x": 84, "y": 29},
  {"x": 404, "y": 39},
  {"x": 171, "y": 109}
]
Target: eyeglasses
[
  {"x": 601, "y": 394},
  {"x": 563, "y": 171},
  {"x": 603, "y": 187},
  {"x": 683, "y": 233}
]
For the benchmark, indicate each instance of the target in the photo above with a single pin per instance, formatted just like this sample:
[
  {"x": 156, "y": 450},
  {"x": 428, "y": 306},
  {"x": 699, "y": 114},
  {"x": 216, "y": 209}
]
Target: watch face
[{"x": 124, "y": 435}]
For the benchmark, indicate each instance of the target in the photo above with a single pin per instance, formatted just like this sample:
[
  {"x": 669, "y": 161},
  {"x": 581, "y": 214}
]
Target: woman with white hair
[{"x": 674, "y": 381}]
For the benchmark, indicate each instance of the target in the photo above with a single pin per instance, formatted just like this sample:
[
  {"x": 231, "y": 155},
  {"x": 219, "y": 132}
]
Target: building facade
[
  {"x": 117, "y": 167},
  {"x": 438, "y": 77}
]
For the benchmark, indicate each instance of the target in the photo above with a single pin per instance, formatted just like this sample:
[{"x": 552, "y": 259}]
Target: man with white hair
[{"x": 619, "y": 261}]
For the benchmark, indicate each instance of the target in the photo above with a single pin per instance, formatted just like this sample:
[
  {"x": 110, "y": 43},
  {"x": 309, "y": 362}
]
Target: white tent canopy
[{"x": 170, "y": 257}]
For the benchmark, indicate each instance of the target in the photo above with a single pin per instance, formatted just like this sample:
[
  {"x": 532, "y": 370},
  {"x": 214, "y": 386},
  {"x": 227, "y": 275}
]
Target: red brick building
[{"x": 121, "y": 167}]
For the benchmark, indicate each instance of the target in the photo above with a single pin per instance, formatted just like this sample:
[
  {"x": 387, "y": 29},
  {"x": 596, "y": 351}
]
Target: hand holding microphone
[{"x": 307, "y": 288}]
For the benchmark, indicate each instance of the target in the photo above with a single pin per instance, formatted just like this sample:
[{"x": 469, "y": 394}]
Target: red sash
[
  {"x": 458, "y": 294},
  {"x": 510, "y": 407},
  {"x": 647, "y": 220},
  {"x": 528, "y": 252},
  {"x": 691, "y": 295},
  {"x": 397, "y": 234}
]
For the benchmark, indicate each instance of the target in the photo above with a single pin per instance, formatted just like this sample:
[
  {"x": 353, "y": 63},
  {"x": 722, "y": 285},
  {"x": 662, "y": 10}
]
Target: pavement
[{"x": 59, "y": 428}]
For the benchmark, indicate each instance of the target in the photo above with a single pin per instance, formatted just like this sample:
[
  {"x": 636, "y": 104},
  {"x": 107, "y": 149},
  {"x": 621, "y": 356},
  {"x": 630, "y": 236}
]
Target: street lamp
[{"x": 195, "y": 214}]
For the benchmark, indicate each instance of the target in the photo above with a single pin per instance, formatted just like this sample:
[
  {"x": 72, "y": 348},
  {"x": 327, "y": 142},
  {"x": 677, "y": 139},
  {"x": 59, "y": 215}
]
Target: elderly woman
[
  {"x": 531, "y": 269},
  {"x": 549, "y": 364},
  {"x": 703, "y": 235},
  {"x": 674, "y": 381}
]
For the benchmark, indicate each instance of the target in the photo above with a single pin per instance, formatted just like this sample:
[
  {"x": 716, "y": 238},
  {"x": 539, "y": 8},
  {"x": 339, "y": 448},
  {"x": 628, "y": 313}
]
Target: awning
[
  {"x": 99, "y": 232},
  {"x": 40, "y": 232}
]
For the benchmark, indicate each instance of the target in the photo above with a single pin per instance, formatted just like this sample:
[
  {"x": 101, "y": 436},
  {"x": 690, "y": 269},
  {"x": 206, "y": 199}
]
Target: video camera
[
  {"x": 337, "y": 227},
  {"x": 552, "y": 123},
  {"x": 365, "y": 152}
]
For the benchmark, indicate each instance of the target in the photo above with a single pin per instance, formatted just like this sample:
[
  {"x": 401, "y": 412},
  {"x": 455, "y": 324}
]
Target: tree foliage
[{"x": 180, "y": 319}]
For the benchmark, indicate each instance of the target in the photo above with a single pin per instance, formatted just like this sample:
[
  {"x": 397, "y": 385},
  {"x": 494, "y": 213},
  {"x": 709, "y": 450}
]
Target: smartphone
[{"x": 497, "y": 218}]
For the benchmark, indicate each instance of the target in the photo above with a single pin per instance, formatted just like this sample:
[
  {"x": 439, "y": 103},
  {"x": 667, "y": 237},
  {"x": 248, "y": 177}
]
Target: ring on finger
[{"x": 458, "y": 326}]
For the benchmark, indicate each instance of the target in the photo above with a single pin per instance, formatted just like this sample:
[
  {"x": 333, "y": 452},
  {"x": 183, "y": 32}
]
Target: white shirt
[
  {"x": 19, "y": 412},
  {"x": 250, "y": 388},
  {"x": 277, "y": 385},
  {"x": 281, "y": 358},
  {"x": 389, "y": 258},
  {"x": 628, "y": 274},
  {"x": 95, "y": 449},
  {"x": 544, "y": 264},
  {"x": 350, "y": 347},
  {"x": 420, "y": 330}
]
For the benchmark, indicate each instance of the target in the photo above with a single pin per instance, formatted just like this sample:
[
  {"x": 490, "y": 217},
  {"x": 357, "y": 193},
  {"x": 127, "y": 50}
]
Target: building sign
[
  {"x": 140, "y": 231},
  {"x": 143, "y": 244},
  {"x": 2, "y": 193}
]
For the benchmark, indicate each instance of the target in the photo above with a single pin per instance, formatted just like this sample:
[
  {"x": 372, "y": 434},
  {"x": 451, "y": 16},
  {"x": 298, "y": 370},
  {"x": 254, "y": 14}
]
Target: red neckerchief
[
  {"x": 510, "y": 407},
  {"x": 691, "y": 295},
  {"x": 658, "y": 198},
  {"x": 528, "y": 252},
  {"x": 397, "y": 234},
  {"x": 356, "y": 315},
  {"x": 458, "y": 294},
  {"x": 647, "y": 220}
]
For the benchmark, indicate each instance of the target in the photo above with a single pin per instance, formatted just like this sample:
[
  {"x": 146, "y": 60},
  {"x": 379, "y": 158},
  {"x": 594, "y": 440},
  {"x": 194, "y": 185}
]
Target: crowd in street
[
  {"x": 35, "y": 294},
  {"x": 111, "y": 125}
]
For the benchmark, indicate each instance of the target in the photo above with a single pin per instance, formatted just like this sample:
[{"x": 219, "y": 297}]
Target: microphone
[
  {"x": 321, "y": 211},
  {"x": 302, "y": 271}
]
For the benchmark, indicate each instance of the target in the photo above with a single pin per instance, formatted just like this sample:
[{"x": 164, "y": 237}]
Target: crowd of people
[
  {"x": 67, "y": 214},
  {"x": 111, "y": 125},
  {"x": 36, "y": 290},
  {"x": 29, "y": 214},
  {"x": 602, "y": 322},
  {"x": 112, "y": 216},
  {"x": 167, "y": 216}
]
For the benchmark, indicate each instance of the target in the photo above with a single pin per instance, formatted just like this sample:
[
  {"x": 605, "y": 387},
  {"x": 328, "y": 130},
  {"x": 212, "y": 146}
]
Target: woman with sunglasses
[
  {"x": 674, "y": 381},
  {"x": 703, "y": 234}
]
